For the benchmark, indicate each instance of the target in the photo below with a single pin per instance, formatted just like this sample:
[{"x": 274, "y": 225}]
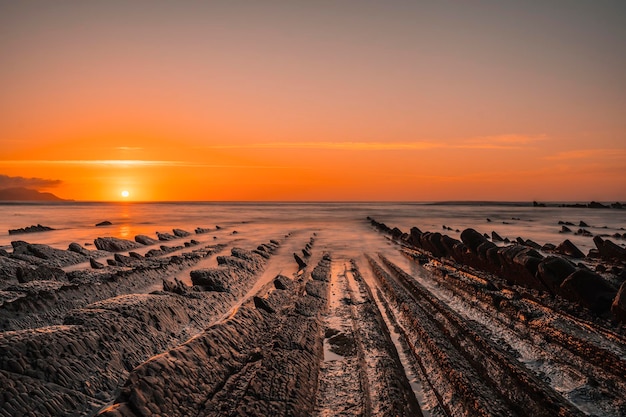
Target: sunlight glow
[{"x": 125, "y": 194}]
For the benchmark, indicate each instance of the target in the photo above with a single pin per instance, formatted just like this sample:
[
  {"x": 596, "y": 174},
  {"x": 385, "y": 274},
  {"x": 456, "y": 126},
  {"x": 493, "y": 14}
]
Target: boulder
[
  {"x": 496, "y": 237},
  {"x": 75, "y": 247},
  {"x": 145, "y": 240},
  {"x": 472, "y": 239},
  {"x": 181, "y": 232},
  {"x": 608, "y": 250},
  {"x": 569, "y": 249},
  {"x": 553, "y": 270},
  {"x": 164, "y": 237},
  {"x": 95, "y": 264},
  {"x": 565, "y": 229},
  {"x": 589, "y": 290},
  {"x": 201, "y": 230},
  {"x": 114, "y": 244},
  {"x": 212, "y": 279},
  {"x": 104, "y": 223},
  {"x": 582, "y": 224},
  {"x": 618, "y": 307},
  {"x": 176, "y": 287}
]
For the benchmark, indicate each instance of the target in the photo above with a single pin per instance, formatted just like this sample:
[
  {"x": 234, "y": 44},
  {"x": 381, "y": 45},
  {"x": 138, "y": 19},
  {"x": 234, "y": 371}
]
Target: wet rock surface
[
  {"x": 387, "y": 324},
  {"x": 30, "y": 229}
]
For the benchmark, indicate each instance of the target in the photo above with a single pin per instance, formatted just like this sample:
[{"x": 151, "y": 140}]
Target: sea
[{"x": 76, "y": 221}]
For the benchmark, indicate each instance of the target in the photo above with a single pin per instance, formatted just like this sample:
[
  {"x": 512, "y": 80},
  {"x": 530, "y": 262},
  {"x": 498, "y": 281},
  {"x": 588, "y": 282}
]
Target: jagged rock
[
  {"x": 589, "y": 290},
  {"x": 75, "y": 247},
  {"x": 608, "y": 250},
  {"x": 145, "y": 240},
  {"x": 95, "y": 264},
  {"x": 112, "y": 262},
  {"x": 201, "y": 230},
  {"x": 176, "y": 287},
  {"x": 301, "y": 263},
  {"x": 104, "y": 223},
  {"x": 548, "y": 247},
  {"x": 565, "y": 229},
  {"x": 41, "y": 273},
  {"x": 496, "y": 237},
  {"x": 472, "y": 239},
  {"x": 532, "y": 244},
  {"x": 135, "y": 255},
  {"x": 30, "y": 229},
  {"x": 569, "y": 249},
  {"x": 281, "y": 282},
  {"x": 212, "y": 279},
  {"x": 553, "y": 270},
  {"x": 618, "y": 307},
  {"x": 164, "y": 237},
  {"x": 114, "y": 244},
  {"x": 52, "y": 256},
  {"x": 181, "y": 232},
  {"x": 582, "y": 224}
]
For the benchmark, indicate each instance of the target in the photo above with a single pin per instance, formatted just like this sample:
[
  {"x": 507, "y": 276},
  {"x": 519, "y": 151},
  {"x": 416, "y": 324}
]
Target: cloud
[
  {"x": 349, "y": 146},
  {"x": 128, "y": 163},
  {"x": 582, "y": 154},
  {"x": 503, "y": 142},
  {"x": 14, "y": 182}
]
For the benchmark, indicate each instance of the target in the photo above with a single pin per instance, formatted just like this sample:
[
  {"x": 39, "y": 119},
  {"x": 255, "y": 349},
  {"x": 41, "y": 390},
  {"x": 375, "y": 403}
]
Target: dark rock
[
  {"x": 472, "y": 239},
  {"x": 488, "y": 220},
  {"x": 201, "y": 230},
  {"x": 301, "y": 263},
  {"x": 566, "y": 223},
  {"x": 582, "y": 224},
  {"x": 30, "y": 229},
  {"x": 535, "y": 204},
  {"x": 263, "y": 304},
  {"x": 41, "y": 273},
  {"x": 595, "y": 204},
  {"x": 532, "y": 244},
  {"x": 95, "y": 264},
  {"x": 213, "y": 279},
  {"x": 496, "y": 237},
  {"x": 114, "y": 244},
  {"x": 584, "y": 232},
  {"x": 589, "y": 290},
  {"x": 553, "y": 270},
  {"x": 548, "y": 247},
  {"x": 75, "y": 247},
  {"x": 281, "y": 282},
  {"x": 176, "y": 287},
  {"x": 609, "y": 251},
  {"x": 164, "y": 237},
  {"x": 618, "y": 307},
  {"x": 112, "y": 262},
  {"x": 135, "y": 255},
  {"x": 104, "y": 223},
  {"x": 565, "y": 229},
  {"x": 181, "y": 232},
  {"x": 569, "y": 249},
  {"x": 145, "y": 240}
]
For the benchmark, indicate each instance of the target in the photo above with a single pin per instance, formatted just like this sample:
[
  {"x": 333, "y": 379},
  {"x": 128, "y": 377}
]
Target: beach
[{"x": 455, "y": 309}]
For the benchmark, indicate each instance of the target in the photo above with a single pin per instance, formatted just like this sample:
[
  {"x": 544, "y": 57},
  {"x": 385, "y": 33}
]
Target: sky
[{"x": 315, "y": 100}]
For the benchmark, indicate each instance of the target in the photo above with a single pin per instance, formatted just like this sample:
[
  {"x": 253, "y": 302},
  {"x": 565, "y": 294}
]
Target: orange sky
[{"x": 350, "y": 100}]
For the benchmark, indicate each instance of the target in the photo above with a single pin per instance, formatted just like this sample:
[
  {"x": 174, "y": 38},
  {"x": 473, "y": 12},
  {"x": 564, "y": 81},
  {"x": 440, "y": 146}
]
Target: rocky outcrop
[
  {"x": 145, "y": 240},
  {"x": 589, "y": 290},
  {"x": 30, "y": 229},
  {"x": 39, "y": 254},
  {"x": 75, "y": 247},
  {"x": 181, "y": 233},
  {"x": 164, "y": 237},
  {"x": 609, "y": 251},
  {"x": 104, "y": 223},
  {"x": 114, "y": 244},
  {"x": 569, "y": 249}
]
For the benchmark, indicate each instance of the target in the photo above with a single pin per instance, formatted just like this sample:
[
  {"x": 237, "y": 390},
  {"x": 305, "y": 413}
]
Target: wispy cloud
[
  {"x": 350, "y": 146},
  {"x": 503, "y": 142},
  {"x": 13, "y": 182},
  {"x": 581, "y": 154},
  {"x": 128, "y": 163}
]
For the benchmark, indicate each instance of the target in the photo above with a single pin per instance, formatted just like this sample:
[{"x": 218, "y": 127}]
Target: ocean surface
[{"x": 75, "y": 222}]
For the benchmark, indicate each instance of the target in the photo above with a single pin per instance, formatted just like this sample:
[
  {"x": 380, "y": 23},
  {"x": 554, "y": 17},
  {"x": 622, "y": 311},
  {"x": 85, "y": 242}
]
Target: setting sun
[{"x": 125, "y": 193}]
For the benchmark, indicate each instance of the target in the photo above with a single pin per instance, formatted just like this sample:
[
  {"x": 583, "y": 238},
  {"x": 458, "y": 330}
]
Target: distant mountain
[{"x": 26, "y": 194}]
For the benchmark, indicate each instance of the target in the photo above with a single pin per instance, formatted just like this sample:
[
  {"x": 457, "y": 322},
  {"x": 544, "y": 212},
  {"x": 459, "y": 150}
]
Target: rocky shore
[{"x": 310, "y": 323}]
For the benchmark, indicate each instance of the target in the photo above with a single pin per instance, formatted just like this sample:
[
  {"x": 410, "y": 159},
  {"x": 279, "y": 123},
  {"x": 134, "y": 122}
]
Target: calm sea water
[{"x": 75, "y": 222}]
